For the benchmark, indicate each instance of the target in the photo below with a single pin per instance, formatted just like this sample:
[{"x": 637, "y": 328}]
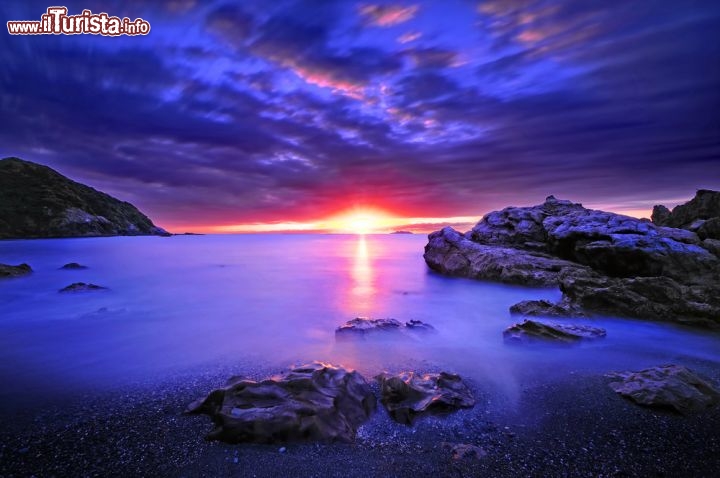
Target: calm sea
[{"x": 184, "y": 302}]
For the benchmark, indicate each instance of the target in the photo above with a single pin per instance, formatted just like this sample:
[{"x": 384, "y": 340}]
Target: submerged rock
[
  {"x": 563, "y": 243},
  {"x": 545, "y": 308},
  {"x": 464, "y": 451},
  {"x": 418, "y": 326},
  {"x": 315, "y": 402},
  {"x": 531, "y": 330},
  {"x": 406, "y": 395},
  {"x": 82, "y": 287},
  {"x": 73, "y": 266},
  {"x": 7, "y": 271},
  {"x": 363, "y": 326},
  {"x": 668, "y": 386}
]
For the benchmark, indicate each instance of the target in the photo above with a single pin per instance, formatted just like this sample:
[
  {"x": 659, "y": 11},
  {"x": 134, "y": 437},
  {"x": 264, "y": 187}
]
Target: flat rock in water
[
  {"x": 316, "y": 402},
  {"x": 668, "y": 386},
  {"x": 406, "y": 395},
  {"x": 73, "y": 266},
  {"x": 361, "y": 327},
  {"x": 531, "y": 330},
  {"x": 14, "y": 271},
  {"x": 82, "y": 287},
  {"x": 545, "y": 308}
]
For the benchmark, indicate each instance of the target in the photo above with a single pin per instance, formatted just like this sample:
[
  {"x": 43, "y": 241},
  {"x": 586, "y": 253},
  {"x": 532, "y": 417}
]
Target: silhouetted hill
[{"x": 36, "y": 201}]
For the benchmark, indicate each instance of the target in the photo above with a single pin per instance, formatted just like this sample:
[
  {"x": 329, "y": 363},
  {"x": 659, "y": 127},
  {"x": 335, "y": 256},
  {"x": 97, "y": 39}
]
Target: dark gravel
[{"x": 575, "y": 427}]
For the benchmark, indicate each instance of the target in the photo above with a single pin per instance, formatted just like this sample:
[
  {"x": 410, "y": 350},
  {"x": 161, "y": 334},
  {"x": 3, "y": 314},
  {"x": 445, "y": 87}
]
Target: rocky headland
[
  {"x": 36, "y": 202},
  {"x": 604, "y": 263}
]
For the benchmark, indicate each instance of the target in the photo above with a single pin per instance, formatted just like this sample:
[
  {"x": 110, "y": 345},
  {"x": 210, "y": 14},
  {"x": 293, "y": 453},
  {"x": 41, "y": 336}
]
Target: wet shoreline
[{"x": 573, "y": 426}]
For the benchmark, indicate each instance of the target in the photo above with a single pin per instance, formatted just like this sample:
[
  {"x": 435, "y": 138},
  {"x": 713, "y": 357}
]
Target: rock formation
[
  {"x": 668, "y": 386},
  {"x": 73, "y": 266},
  {"x": 603, "y": 262},
  {"x": 545, "y": 308},
  {"x": 692, "y": 215},
  {"x": 36, "y": 201},
  {"x": 408, "y": 394},
  {"x": 530, "y": 331},
  {"x": 362, "y": 327},
  {"x": 316, "y": 402},
  {"x": 14, "y": 271}
]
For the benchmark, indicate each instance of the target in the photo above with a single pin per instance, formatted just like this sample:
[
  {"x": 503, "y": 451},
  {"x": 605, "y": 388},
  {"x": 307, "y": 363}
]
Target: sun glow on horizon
[
  {"x": 357, "y": 220},
  {"x": 360, "y": 221}
]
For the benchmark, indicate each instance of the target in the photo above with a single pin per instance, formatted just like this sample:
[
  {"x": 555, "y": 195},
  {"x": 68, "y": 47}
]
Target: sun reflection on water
[{"x": 363, "y": 276}]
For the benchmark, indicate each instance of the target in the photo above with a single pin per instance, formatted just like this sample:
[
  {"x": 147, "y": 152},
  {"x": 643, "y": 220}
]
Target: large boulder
[
  {"x": 451, "y": 253},
  {"x": 669, "y": 386},
  {"x": 531, "y": 331},
  {"x": 407, "y": 395},
  {"x": 14, "y": 271},
  {"x": 316, "y": 402},
  {"x": 561, "y": 242},
  {"x": 660, "y": 215}
]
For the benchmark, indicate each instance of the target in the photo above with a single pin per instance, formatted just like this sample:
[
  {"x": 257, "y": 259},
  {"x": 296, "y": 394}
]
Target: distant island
[
  {"x": 401, "y": 232},
  {"x": 37, "y": 201}
]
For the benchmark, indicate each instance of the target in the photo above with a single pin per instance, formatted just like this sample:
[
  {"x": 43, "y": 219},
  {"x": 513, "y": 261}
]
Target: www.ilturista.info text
[{"x": 56, "y": 21}]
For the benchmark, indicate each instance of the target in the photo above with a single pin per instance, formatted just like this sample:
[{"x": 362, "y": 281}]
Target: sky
[{"x": 259, "y": 115}]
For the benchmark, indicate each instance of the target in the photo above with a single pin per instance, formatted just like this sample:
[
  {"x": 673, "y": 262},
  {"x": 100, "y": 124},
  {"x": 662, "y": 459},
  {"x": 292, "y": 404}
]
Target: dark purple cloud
[{"x": 289, "y": 111}]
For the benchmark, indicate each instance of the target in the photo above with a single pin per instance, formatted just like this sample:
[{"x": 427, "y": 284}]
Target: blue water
[{"x": 184, "y": 302}]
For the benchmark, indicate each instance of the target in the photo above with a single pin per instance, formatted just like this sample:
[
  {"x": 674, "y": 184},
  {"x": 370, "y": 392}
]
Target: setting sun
[{"x": 361, "y": 221}]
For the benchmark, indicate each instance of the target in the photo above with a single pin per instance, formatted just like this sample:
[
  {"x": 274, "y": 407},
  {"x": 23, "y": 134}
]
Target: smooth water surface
[{"x": 190, "y": 301}]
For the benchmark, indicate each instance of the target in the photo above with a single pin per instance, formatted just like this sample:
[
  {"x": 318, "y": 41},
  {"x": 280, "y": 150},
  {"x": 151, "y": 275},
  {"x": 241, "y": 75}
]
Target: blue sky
[{"x": 257, "y": 111}]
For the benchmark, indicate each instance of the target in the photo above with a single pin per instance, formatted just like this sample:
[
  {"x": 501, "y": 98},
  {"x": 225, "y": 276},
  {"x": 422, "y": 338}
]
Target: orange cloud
[
  {"x": 324, "y": 79},
  {"x": 388, "y": 15}
]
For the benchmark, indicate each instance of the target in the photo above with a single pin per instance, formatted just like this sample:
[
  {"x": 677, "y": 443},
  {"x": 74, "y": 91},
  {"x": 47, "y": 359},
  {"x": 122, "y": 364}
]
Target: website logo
[{"x": 56, "y": 21}]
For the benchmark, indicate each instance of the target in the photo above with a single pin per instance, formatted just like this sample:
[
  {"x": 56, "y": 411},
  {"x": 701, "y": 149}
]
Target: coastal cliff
[{"x": 36, "y": 201}]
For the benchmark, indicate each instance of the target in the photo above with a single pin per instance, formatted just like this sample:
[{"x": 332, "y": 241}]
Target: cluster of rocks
[
  {"x": 7, "y": 271},
  {"x": 604, "y": 263},
  {"x": 321, "y": 402},
  {"x": 325, "y": 403},
  {"x": 699, "y": 215}
]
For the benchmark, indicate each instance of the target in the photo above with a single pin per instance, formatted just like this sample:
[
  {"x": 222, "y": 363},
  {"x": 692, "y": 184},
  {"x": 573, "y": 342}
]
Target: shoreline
[{"x": 573, "y": 426}]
